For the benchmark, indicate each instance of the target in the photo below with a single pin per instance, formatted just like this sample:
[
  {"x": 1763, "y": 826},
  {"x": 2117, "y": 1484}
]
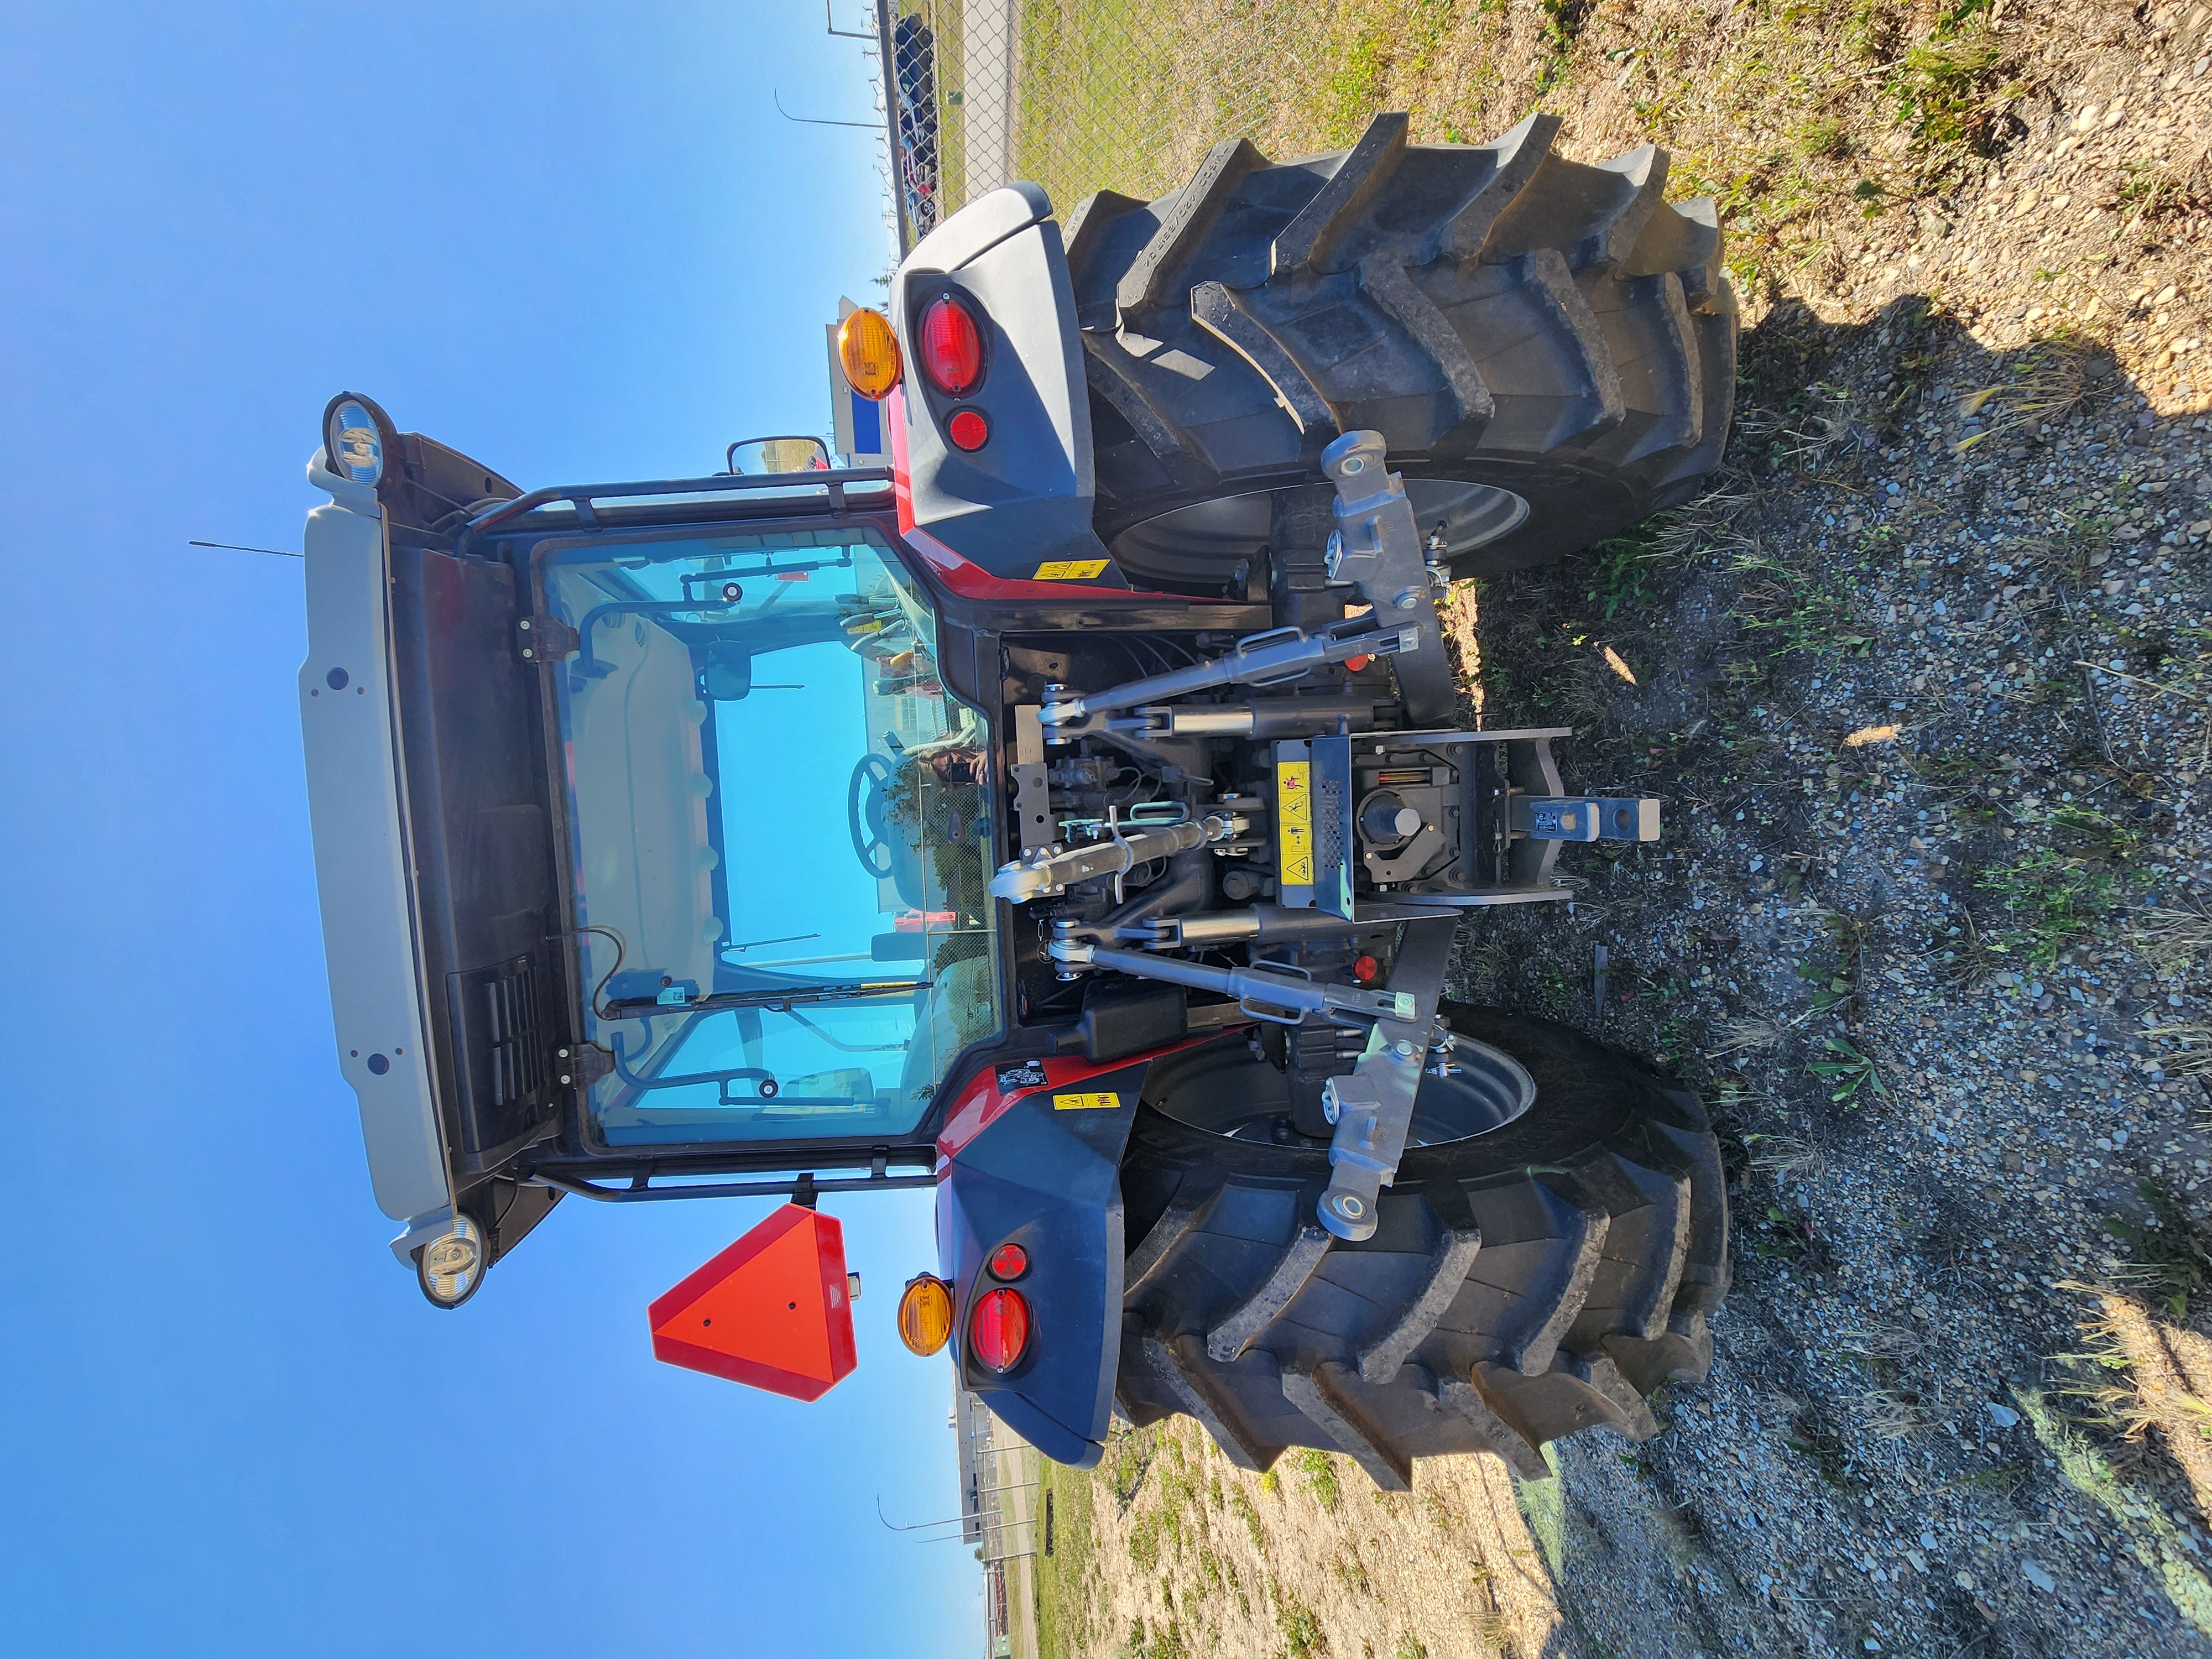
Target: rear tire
[
  {"x": 1505, "y": 318},
  {"x": 1523, "y": 1283}
]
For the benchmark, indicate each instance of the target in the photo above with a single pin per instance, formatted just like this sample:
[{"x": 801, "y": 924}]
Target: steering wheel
[{"x": 867, "y": 803}]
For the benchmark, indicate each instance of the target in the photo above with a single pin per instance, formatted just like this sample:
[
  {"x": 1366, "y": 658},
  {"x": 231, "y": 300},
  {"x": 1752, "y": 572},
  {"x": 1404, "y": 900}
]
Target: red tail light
[
  {"x": 952, "y": 349},
  {"x": 1009, "y": 1261},
  {"x": 999, "y": 1328},
  {"x": 967, "y": 429}
]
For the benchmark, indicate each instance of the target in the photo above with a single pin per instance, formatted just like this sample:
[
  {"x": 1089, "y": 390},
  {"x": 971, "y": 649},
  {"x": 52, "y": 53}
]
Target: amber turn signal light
[
  {"x": 925, "y": 1315},
  {"x": 868, "y": 352}
]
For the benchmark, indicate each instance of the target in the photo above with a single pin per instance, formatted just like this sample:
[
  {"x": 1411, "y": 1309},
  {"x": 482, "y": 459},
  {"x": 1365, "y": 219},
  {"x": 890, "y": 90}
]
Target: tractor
[{"x": 1076, "y": 816}]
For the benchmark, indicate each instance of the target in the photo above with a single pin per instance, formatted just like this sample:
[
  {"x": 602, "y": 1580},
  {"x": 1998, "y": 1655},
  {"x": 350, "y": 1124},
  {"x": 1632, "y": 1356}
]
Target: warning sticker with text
[
  {"x": 1294, "y": 814},
  {"x": 1105, "y": 1103}
]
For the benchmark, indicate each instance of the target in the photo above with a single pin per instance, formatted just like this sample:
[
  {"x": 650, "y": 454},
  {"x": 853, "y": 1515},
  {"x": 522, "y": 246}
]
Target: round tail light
[
  {"x": 952, "y": 349},
  {"x": 999, "y": 1328},
  {"x": 1009, "y": 1261},
  {"x": 967, "y": 429}
]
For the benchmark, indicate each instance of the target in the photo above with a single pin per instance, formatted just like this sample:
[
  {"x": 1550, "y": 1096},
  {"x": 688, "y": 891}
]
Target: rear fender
[
  {"x": 1044, "y": 1172},
  {"x": 1019, "y": 507}
]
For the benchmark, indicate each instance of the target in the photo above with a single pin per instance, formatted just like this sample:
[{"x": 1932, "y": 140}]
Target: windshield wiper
[{"x": 779, "y": 1001}]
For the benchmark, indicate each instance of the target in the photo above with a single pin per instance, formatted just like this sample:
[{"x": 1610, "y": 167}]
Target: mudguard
[
  {"x": 1019, "y": 507},
  {"x": 1039, "y": 1150}
]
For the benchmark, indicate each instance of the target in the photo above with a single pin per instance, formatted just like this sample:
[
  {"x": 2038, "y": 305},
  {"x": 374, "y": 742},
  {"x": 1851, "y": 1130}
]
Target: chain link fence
[{"x": 1080, "y": 95}]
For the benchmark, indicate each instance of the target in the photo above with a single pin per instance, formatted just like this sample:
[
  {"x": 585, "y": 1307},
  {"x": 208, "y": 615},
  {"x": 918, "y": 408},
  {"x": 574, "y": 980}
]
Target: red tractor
[{"x": 1076, "y": 816}]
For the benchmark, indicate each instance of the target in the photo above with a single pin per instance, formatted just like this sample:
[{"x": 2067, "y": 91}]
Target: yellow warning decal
[
  {"x": 1105, "y": 1103},
  {"x": 1294, "y": 814},
  {"x": 1071, "y": 570}
]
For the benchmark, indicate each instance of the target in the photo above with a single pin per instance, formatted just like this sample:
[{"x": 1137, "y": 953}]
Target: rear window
[{"x": 772, "y": 797}]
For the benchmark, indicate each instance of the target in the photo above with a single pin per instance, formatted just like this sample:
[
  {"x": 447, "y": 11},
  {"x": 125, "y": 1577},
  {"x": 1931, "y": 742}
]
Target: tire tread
[
  {"x": 1497, "y": 312},
  {"x": 1515, "y": 1289}
]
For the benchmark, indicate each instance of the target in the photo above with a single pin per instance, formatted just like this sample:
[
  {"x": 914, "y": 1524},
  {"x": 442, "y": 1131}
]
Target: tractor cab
[{"x": 653, "y": 843}]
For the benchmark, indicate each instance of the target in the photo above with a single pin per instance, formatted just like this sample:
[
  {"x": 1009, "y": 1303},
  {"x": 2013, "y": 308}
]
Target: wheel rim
[
  {"x": 1204, "y": 542},
  {"x": 1241, "y": 1098}
]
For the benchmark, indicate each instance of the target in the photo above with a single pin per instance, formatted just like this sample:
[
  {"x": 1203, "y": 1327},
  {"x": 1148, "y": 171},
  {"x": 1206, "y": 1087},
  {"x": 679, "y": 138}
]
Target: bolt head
[
  {"x": 565, "y": 1080},
  {"x": 527, "y": 652},
  {"x": 1403, "y": 1047}
]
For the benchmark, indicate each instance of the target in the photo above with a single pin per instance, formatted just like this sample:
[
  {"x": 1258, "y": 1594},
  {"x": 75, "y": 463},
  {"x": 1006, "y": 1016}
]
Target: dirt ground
[{"x": 1923, "y": 681}]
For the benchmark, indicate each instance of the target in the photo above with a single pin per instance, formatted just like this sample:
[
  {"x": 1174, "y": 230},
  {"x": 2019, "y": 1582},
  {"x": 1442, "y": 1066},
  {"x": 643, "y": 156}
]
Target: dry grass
[
  {"x": 2145, "y": 1378},
  {"x": 2050, "y": 380},
  {"x": 2172, "y": 939},
  {"x": 1749, "y": 1035},
  {"x": 1894, "y": 1343},
  {"x": 1783, "y": 1155},
  {"x": 2192, "y": 1057},
  {"x": 1310, "y": 1560},
  {"x": 1887, "y": 1415}
]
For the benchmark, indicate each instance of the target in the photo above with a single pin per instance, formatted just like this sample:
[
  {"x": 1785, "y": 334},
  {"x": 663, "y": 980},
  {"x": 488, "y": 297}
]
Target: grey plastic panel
[
  {"x": 1024, "y": 499},
  {"x": 355, "y": 807},
  {"x": 981, "y": 226}
]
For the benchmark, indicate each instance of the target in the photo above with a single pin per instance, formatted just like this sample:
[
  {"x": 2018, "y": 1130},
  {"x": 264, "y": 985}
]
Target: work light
[{"x": 353, "y": 438}]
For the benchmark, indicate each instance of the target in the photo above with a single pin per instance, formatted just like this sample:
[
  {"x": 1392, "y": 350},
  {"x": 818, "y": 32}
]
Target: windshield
[{"x": 771, "y": 797}]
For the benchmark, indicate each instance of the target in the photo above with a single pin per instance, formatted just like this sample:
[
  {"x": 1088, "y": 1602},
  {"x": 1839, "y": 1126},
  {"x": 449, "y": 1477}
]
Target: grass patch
[
  {"x": 1167, "y": 1642},
  {"x": 1846, "y": 1072},
  {"x": 1249, "y": 1514},
  {"x": 1319, "y": 1469},
  {"x": 1065, "y": 1578},
  {"x": 1823, "y": 137},
  {"x": 2172, "y": 939},
  {"x": 1626, "y": 567},
  {"x": 1354, "y": 91},
  {"x": 1302, "y": 1636},
  {"x": 1794, "y": 611},
  {"x": 2047, "y": 901}
]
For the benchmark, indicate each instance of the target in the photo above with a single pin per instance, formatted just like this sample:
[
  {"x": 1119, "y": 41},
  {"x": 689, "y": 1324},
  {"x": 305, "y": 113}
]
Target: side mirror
[
  {"x": 753, "y": 457},
  {"x": 728, "y": 675}
]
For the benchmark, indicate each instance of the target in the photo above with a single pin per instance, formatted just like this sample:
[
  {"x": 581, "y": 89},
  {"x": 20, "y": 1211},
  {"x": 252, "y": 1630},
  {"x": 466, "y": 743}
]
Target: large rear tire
[
  {"x": 1524, "y": 1282},
  {"x": 1555, "y": 334}
]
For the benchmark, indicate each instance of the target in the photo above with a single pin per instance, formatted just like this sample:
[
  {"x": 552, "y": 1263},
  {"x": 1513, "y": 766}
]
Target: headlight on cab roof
[{"x": 353, "y": 431}]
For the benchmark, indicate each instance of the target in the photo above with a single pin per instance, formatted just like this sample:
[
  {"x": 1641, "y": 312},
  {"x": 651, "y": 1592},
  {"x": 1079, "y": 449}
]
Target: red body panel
[
  {"x": 771, "y": 1312},
  {"x": 984, "y": 1101}
]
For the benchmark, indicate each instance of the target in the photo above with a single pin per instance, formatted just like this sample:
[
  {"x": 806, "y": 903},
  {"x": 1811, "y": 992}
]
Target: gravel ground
[{"x": 1924, "y": 684}]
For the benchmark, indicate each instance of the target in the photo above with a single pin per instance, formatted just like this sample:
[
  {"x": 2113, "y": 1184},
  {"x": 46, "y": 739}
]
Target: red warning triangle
[{"x": 771, "y": 1312}]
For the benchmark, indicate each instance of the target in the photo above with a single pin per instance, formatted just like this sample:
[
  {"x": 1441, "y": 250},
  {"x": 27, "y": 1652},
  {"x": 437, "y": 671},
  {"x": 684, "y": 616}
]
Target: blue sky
[{"x": 579, "y": 244}]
